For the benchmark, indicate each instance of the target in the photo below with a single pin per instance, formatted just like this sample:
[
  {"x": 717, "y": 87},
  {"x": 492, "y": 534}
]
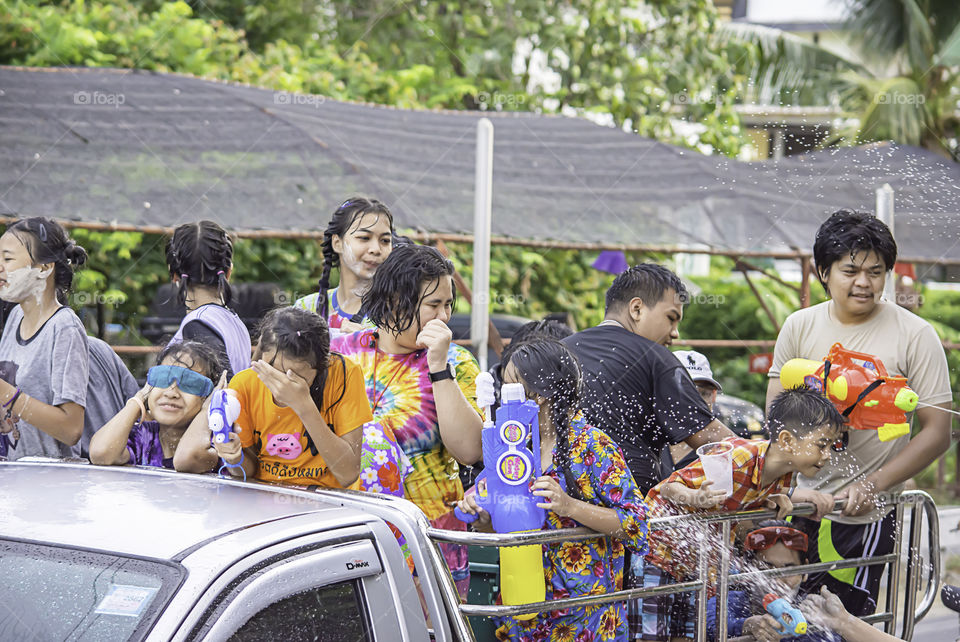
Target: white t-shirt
[{"x": 907, "y": 346}]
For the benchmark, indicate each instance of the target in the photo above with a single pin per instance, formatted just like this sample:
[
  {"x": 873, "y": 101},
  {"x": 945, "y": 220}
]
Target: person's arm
[
  {"x": 341, "y": 454},
  {"x": 459, "y": 423},
  {"x": 928, "y": 374},
  {"x": 703, "y": 497},
  {"x": 108, "y": 446},
  {"x": 822, "y": 501},
  {"x": 774, "y": 388},
  {"x": 712, "y": 432},
  {"x": 599, "y": 518},
  {"x": 930, "y": 443},
  {"x": 621, "y": 512},
  {"x": 787, "y": 347},
  {"x": 63, "y": 422},
  {"x": 826, "y": 610}
]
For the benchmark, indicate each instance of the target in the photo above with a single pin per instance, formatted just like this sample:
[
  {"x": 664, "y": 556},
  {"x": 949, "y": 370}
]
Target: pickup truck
[{"x": 127, "y": 553}]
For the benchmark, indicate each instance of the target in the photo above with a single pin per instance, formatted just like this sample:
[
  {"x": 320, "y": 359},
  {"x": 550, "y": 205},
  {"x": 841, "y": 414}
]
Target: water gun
[
  {"x": 224, "y": 410},
  {"x": 790, "y": 618},
  {"x": 506, "y": 494},
  {"x": 860, "y": 388}
]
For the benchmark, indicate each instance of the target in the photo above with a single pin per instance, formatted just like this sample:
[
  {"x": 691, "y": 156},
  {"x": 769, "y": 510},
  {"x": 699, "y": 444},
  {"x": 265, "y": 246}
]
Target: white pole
[
  {"x": 885, "y": 214},
  {"x": 482, "y": 215}
]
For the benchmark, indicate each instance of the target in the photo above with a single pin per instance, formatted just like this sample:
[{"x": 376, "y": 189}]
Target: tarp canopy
[{"x": 138, "y": 148}]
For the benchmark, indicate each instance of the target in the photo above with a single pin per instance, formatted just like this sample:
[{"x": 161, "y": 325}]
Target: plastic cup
[{"x": 717, "y": 460}]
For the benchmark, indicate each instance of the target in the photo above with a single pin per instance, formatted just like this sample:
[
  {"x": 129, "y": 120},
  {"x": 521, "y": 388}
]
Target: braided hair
[
  {"x": 296, "y": 333},
  {"x": 549, "y": 369},
  {"x": 47, "y": 242},
  {"x": 349, "y": 212},
  {"x": 201, "y": 254}
]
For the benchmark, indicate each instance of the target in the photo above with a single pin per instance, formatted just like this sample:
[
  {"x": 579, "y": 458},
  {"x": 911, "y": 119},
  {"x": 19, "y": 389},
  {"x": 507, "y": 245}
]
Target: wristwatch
[{"x": 446, "y": 373}]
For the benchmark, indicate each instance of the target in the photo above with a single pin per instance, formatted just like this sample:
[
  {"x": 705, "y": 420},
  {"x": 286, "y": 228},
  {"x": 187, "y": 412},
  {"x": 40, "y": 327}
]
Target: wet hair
[
  {"x": 802, "y": 410},
  {"x": 201, "y": 254},
  {"x": 646, "y": 281},
  {"x": 203, "y": 358},
  {"x": 393, "y": 300},
  {"x": 543, "y": 329},
  {"x": 551, "y": 370},
  {"x": 350, "y": 211},
  {"x": 296, "y": 333},
  {"x": 47, "y": 242},
  {"x": 847, "y": 233}
]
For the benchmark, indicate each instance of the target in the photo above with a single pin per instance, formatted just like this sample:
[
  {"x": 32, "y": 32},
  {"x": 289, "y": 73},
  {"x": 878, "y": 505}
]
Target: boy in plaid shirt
[{"x": 803, "y": 426}]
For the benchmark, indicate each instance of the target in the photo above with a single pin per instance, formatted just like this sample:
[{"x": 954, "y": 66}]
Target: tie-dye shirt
[{"x": 401, "y": 395}]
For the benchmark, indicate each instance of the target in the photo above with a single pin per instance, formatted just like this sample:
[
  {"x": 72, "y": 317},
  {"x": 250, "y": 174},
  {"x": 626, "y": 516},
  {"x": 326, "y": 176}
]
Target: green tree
[{"x": 625, "y": 60}]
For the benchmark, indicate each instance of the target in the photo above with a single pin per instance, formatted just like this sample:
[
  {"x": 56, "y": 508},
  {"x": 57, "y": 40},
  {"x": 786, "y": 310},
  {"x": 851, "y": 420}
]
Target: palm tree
[{"x": 917, "y": 105}]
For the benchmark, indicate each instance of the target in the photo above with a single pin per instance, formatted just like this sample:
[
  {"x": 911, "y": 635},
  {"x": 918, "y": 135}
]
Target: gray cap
[{"x": 698, "y": 366}]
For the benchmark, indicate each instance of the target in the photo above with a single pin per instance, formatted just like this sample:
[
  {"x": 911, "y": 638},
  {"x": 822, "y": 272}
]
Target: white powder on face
[
  {"x": 348, "y": 258},
  {"x": 24, "y": 282}
]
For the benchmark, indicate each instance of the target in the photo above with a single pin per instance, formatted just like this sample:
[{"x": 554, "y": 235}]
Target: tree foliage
[
  {"x": 915, "y": 104},
  {"x": 629, "y": 63}
]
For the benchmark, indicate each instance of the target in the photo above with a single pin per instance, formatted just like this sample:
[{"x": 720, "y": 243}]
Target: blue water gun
[
  {"x": 223, "y": 413},
  {"x": 789, "y": 617},
  {"x": 506, "y": 493}
]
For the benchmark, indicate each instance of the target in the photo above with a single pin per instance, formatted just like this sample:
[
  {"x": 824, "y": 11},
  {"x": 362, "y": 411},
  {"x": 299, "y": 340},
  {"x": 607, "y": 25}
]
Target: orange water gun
[{"x": 860, "y": 388}]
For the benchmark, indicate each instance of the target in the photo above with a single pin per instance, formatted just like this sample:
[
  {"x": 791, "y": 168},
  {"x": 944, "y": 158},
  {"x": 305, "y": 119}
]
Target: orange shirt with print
[{"x": 279, "y": 436}]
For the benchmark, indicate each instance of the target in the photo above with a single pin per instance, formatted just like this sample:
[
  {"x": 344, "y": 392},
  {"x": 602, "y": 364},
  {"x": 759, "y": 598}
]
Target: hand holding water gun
[
  {"x": 789, "y": 617},
  {"x": 223, "y": 413},
  {"x": 859, "y": 387},
  {"x": 505, "y": 492}
]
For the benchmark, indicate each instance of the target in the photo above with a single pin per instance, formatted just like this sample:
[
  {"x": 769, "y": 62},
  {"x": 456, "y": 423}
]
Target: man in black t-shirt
[{"x": 635, "y": 390}]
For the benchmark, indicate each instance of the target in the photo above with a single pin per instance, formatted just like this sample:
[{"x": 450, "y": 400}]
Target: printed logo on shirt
[
  {"x": 284, "y": 446},
  {"x": 283, "y": 471}
]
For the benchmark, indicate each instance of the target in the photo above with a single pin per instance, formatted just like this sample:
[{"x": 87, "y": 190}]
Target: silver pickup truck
[{"x": 124, "y": 553}]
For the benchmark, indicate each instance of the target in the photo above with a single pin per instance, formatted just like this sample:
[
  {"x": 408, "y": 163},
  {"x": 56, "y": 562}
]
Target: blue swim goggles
[{"x": 189, "y": 381}]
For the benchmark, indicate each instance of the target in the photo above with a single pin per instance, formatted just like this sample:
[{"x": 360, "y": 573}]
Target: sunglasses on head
[
  {"x": 189, "y": 381},
  {"x": 763, "y": 538}
]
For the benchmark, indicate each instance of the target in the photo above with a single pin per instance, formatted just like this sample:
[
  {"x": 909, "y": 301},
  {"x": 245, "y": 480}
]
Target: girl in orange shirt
[{"x": 304, "y": 419}]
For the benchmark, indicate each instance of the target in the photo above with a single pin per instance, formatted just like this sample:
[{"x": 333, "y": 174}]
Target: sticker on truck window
[{"x": 125, "y": 600}]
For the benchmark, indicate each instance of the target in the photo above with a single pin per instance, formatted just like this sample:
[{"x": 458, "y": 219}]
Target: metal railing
[{"x": 921, "y": 504}]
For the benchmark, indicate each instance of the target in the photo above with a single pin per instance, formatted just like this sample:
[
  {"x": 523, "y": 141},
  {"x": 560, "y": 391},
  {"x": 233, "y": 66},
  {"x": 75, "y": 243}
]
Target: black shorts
[{"x": 857, "y": 588}]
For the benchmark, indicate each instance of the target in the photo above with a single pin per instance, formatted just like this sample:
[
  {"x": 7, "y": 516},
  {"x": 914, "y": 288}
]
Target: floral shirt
[
  {"x": 675, "y": 553},
  {"x": 590, "y": 567},
  {"x": 383, "y": 466}
]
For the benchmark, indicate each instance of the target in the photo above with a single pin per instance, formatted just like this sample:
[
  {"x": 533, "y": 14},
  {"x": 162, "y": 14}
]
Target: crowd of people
[{"x": 361, "y": 386}]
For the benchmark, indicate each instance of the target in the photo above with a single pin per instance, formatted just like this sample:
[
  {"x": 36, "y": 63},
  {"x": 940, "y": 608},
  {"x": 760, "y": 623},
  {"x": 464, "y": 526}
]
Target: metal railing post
[
  {"x": 703, "y": 570},
  {"x": 893, "y": 582},
  {"x": 933, "y": 535},
  {"x": 724, "y": 580},
  {"x": 913, "y": 571}
]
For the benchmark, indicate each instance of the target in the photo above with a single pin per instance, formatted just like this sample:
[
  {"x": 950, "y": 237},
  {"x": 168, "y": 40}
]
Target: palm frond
[{"x": 787, "y": 68}]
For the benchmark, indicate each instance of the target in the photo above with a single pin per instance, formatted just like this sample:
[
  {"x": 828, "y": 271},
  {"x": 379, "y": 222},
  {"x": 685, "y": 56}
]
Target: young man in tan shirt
[{"x": 853, "y": 253}]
